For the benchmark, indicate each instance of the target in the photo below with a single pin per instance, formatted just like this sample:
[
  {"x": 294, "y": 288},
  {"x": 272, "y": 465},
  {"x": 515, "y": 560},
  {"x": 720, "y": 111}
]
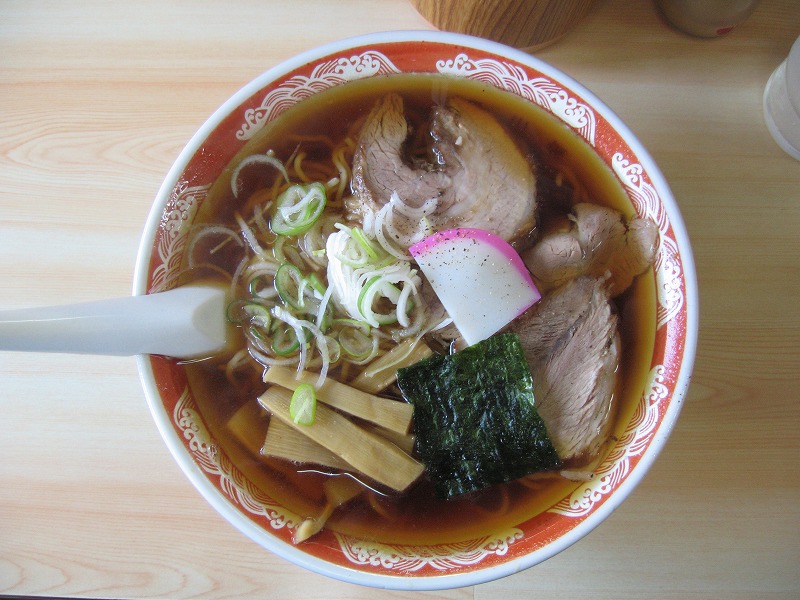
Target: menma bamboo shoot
[
  {"x": 367, "y": 452},
  {"x": 391, "y": 414}
]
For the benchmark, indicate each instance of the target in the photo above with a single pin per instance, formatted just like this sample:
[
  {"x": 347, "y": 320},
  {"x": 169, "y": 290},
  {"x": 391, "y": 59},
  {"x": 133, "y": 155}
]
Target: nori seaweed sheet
[{"x": 474, "y": 416}]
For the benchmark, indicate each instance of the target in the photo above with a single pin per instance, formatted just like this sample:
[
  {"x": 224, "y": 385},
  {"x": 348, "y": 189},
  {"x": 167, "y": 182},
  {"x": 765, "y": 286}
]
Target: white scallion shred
[
  {"x": 358, "y": 282},
  {"x": 383, "y": 228},
  {"x": 299, "y": 325},
  {"x": 256, "y": 159},
  {"x": 354, "y": 292},
  {"x": 249, "y": 236},
  {"x": 226, "y": 233}
]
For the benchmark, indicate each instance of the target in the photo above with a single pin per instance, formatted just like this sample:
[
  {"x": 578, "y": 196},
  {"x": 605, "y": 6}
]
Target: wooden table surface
[{"x": 97, "y": 99}]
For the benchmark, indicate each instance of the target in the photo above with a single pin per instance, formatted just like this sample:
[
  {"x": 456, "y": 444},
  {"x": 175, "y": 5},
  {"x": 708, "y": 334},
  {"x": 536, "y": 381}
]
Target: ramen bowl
[{"x": 644, "y": 422}]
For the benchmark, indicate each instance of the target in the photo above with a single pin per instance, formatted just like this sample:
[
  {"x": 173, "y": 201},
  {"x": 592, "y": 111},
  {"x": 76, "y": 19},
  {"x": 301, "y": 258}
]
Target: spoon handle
[{"x": 186, "y": 322}]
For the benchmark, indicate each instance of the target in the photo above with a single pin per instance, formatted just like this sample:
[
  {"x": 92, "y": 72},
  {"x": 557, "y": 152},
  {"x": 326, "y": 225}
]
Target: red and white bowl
[{"x": 501, "y": 553}]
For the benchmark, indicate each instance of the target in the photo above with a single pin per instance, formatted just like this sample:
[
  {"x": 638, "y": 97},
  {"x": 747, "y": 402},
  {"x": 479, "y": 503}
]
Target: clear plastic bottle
[{"x": 782, "y": 103}]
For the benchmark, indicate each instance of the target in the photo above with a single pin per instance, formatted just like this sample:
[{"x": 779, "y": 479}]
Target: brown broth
[{"x": 417, "y": 516}]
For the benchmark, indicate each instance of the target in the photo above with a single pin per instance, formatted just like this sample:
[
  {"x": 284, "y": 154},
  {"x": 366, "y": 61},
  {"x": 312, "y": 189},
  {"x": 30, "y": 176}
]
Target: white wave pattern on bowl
[
  {"x": 514, "y": 79},
  {"x": 442, "y": 557},
  {"x": 207, "y": 455},
  {"x": 325, "y": 75},
  {"x": 580, "y": 503},
  {"x": 667, "y": 267},
  {"x": 633, "y": 442},
  {"x": 175, "y": 225},
  {"x": 637, "y": 435}
]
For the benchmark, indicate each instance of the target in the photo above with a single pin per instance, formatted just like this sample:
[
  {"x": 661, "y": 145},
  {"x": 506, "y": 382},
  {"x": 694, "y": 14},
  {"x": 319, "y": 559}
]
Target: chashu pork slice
[
  {"x": 475, "y": 176},
  {"x": 571, "y": 344},
  {"x": 600, "y": 243}
]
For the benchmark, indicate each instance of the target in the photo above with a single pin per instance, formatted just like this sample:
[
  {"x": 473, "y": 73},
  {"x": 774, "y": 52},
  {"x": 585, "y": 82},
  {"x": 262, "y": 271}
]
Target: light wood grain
[
  {"x": 531, "y": 24},
  {"x": 96, "y": 100}
]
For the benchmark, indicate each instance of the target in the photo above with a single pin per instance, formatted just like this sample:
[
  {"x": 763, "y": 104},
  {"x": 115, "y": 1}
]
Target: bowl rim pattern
[{"x": 478, "y": 561}]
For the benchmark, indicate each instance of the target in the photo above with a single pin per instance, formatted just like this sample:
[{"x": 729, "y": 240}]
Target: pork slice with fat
[
  {"x": 571, "y": 343},
  {"x": 476, "y": 175},
  {"x": 381, "y": 166},
  {"x": 600, "y": 243}
]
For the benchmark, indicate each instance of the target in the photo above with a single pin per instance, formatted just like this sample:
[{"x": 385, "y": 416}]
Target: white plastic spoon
[{"x": 186, "y": 322}]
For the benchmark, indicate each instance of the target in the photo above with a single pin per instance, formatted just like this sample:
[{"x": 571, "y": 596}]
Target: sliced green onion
[
  {"x": 354, "y": 342},
  {"x": 234, "y": 313},
  {"x": 353, "y": 255},
  {"x": 259, "y": 315},
  {"x": 362, "y": 326},
  {"x": 257, "y": 332},
  {"x": 373, "y": 290},
  {"x": 373, "y": 251},
  {"x": 268, "y": 159},
  {"x": 388, "y": 259},
  {"x": 258, "y": 284},
  {"x": 334, "y": 349},
  {"x": 277, "y": 249},
  {"x": 303, "y": 405},
  {"x": 285, "y": 342},
  {"x": 293, "y": 254},
  {"x": 324, "y": 322},
  {"x": 298, "y": 208},
  {"x": 241, "y": 311},
  {"x": 289, "y": 284},
  {"x": 316, "y": 283}
]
